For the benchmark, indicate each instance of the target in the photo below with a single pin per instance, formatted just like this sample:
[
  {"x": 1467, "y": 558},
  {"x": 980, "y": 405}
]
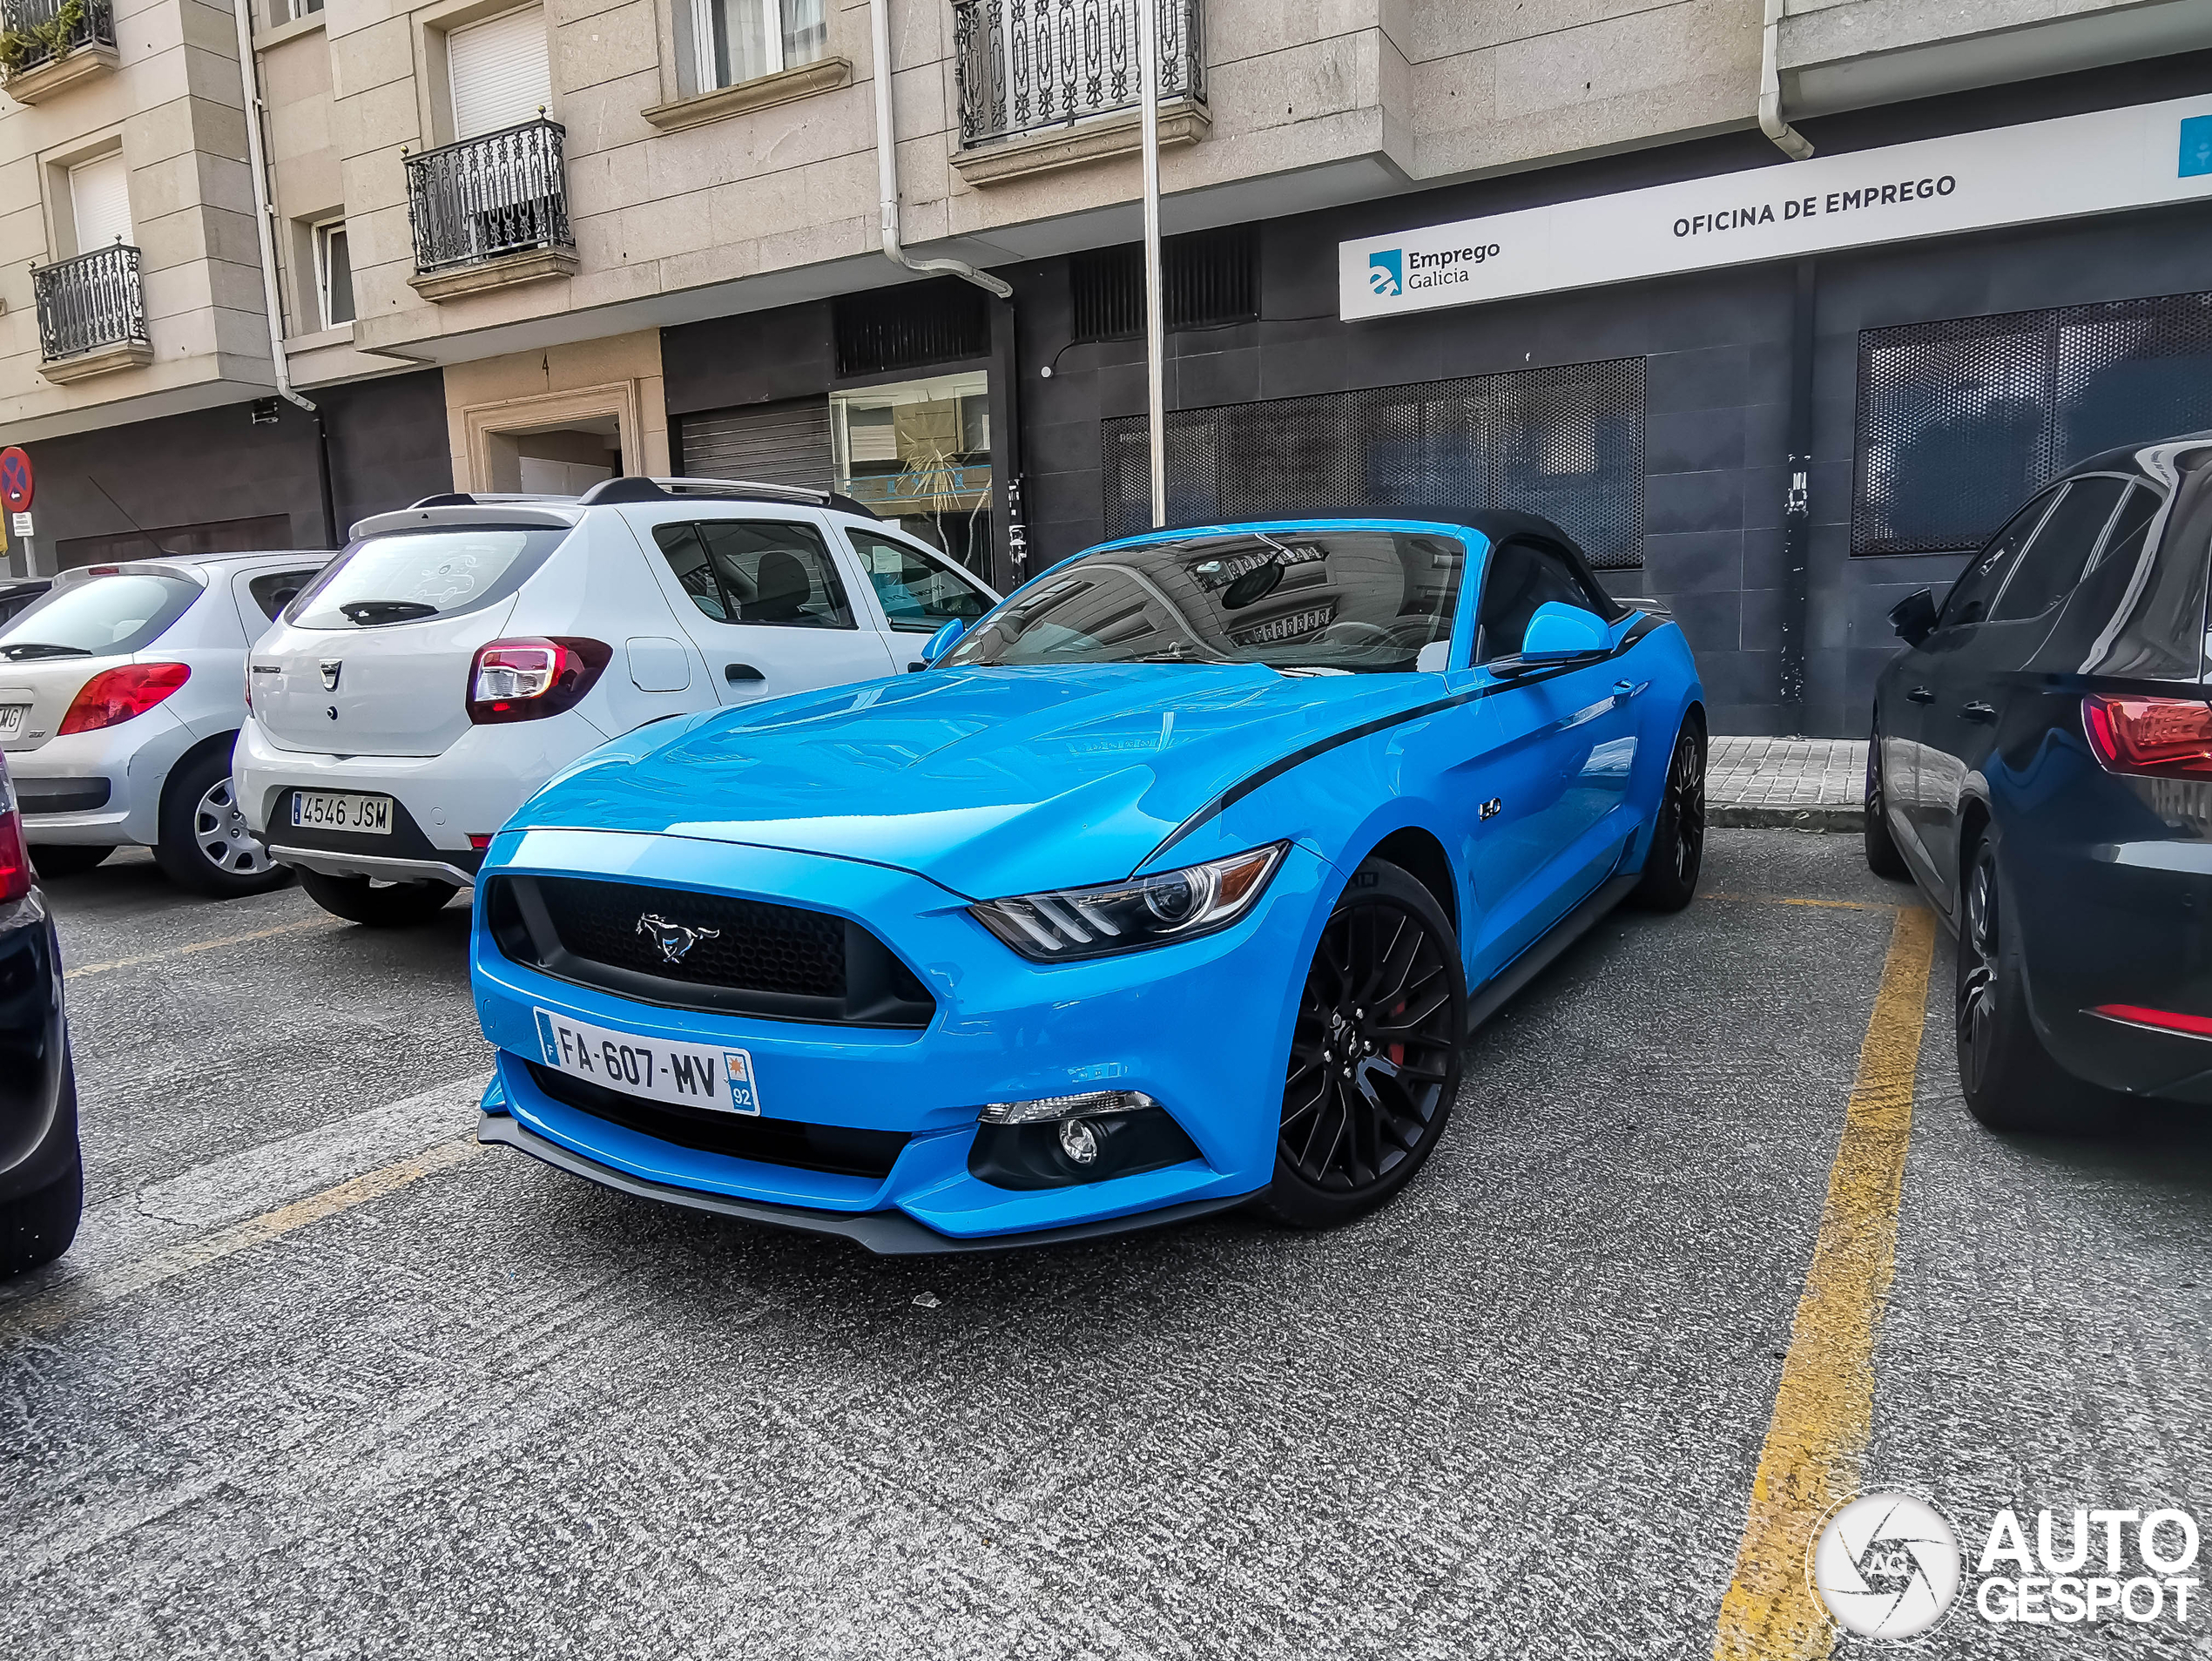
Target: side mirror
[
  {"x": 1914, "y": 616},
  {"x": 1433, "y": 658},
  {"x": 1560, "y": 633},
  {"x": 944, "y": 640}
]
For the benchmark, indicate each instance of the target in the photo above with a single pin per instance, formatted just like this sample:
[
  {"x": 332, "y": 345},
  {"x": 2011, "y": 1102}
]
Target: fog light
[
  {"x": 1078, "y": 1141},
  {"x": 1043, "y": 1110}
]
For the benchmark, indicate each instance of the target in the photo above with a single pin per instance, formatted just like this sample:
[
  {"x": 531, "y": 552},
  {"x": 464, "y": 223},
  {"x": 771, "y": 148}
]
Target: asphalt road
[{"x": 321, "y": 1378}]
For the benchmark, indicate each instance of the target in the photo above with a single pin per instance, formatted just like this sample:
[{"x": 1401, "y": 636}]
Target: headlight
[{"x": 1127, "y": 916}]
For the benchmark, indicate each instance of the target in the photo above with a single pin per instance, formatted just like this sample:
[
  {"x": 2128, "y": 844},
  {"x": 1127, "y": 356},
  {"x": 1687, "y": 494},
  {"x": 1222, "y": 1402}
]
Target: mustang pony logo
[{"x": 674, "y": 939}]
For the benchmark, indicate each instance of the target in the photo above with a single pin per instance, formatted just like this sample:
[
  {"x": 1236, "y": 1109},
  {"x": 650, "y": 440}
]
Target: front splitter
[{"x": 886, "y": 1233}]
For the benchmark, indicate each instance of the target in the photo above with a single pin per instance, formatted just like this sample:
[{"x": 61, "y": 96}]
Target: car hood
[{"x": 987, "y": 781}]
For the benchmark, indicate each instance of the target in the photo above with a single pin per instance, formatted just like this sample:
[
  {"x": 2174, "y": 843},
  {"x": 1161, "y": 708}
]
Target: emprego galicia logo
[
  {"x": 1387, "y": 271},
  {"x": 1886, "y": 1566}
]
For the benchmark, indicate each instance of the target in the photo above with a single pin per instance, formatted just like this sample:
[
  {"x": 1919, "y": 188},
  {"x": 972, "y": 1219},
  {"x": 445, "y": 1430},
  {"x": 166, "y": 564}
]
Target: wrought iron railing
[
  {"x": 34, "y": 33},
  {"x": 1025, "y": 65},
  {"x": 485, "y": 198},
  {"x": 95, "y": 300}
]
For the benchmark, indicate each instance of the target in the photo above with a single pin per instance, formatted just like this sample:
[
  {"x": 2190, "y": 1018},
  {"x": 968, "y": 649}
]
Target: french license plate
[
  {"x": 341, "y": 811},
  {"x": 686, "y": 1075},
  {"x": 11, "y": 716}
]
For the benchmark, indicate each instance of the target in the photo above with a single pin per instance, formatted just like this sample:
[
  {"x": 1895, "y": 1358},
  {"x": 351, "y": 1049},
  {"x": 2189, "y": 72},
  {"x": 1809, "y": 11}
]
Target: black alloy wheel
[
  {"x": 2010, "y": 1082},
  {"x": 1883, "y": 858},
  {"x": 1374, "y": 1061},
  {"x": 1677, "y": 854}
]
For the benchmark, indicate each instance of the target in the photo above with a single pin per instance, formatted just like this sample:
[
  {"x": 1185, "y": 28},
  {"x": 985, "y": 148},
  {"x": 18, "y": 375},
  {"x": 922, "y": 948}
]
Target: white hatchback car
[
  {"x": 121, "y": 690},
  {"x": 461, "y": 650}
]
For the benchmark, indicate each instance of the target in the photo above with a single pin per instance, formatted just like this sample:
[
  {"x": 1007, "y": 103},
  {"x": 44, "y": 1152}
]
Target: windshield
[
  {"x": 405, "y": 576},
  {"x": 1341, "y": 600},
  {"x": 101, "y": 617}
]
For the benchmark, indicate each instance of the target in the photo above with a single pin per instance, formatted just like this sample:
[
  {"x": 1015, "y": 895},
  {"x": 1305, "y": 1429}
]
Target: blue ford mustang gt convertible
[{"x": 1175, "y": 883}]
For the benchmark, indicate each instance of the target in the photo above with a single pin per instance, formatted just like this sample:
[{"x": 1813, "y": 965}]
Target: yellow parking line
[
  {"x": 1795, "y": 900},
  {"x": 46, "y": 1310},
  {"x": 1824, "y": 1410},
  {"x": 83, "y": 969}
]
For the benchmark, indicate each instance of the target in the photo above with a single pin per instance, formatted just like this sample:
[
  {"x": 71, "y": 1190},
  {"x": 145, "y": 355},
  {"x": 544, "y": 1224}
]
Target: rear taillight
[
  {"x": 116, "y": 695},
  {"x": 2163, "y": 738},
  {"x": 524, "y": 679},
  {"x": 15, "y": 858}
]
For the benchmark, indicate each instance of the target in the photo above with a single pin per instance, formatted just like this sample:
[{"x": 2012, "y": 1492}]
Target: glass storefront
[{"x": 919, "y": 452}]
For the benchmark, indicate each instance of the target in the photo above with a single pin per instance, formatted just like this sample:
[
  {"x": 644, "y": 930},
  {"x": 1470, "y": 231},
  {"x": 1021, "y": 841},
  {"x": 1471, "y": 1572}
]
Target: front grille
[
  {"x": 734, "y": 943},
  {"x": 686, "y": 950},
  {"x": 835, "y": 1148}
]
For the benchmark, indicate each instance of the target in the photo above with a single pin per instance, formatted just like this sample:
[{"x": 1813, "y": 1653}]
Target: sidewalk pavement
[{"x": 1799, "y": 784}]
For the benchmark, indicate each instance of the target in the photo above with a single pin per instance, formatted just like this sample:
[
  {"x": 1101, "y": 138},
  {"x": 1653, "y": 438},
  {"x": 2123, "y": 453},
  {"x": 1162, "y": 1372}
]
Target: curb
[{"x": 1740, "y": 816}]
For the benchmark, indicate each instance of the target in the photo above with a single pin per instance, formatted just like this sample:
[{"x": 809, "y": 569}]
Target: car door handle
[
  {"x": 1624, "y": 690},
  {"x": 734, "y": 672},
  {"x": 1921, "y": 695},
  {"x": 1979, "y": 710}
]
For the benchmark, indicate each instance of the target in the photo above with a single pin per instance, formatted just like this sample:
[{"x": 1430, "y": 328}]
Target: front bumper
[
  {"x": 111, "y": 780},
  {"x": 471, "y": 789},
  {"x": 1201, "y": 1027}
]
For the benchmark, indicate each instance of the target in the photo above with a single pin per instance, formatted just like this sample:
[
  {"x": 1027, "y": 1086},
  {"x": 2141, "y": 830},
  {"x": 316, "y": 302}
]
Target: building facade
[{"x": 527, "y": 248}]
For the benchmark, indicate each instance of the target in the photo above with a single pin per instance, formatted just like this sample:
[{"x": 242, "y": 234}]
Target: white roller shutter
[
  {"x": 99, "y": 200},
  {"x": 500, "y": 71}
]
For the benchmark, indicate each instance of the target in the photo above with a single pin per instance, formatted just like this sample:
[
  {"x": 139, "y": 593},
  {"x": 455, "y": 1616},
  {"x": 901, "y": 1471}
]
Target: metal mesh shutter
[
  {"x": 910, "y": 325},
  {"x": 782, "y": 443},
  {"x": 1207, "y": 278},
  {"x": 1959, "y": 420},
  {"x": 1565, "y": 442}
]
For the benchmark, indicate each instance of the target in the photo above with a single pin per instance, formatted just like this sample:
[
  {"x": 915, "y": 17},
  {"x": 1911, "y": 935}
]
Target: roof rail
[
  {"x": 487, "y": 498},
  {"x": 638, "y": 488}
]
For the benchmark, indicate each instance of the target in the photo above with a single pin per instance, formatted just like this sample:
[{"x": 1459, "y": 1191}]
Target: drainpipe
[
  {"x": 249, "y": 78},
  {"x": 887, "y": 163},
  {"x": 1794, "y": 144}
]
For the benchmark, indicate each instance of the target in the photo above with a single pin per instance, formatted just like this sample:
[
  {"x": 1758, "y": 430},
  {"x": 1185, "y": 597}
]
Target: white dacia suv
[{"x": 460, "y": 651}]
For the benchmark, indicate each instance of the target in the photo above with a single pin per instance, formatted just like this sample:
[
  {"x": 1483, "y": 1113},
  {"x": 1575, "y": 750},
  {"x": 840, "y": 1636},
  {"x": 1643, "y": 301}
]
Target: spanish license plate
[
  {"x": 11, "y": 717},
  {"x": 686, "y": 1075},
  {"x": 341, "y": 811}
]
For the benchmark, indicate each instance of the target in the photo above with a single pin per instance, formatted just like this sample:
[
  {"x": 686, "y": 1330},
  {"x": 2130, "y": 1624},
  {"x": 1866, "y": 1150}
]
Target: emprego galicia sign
[{"x": 2073, "y": 166}]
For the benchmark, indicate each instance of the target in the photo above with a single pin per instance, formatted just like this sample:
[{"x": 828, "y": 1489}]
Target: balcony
[
  {"x": 47, "y": 46},
  {"x": 92, "y": 315},
  {"x": 1052, "y": 84},
  {"x": 490, "y": 212}
]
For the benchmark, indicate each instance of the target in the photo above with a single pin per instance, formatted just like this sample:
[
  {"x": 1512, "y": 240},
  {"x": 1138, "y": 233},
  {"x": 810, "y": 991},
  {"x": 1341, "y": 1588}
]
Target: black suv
[
  {"x": 2041, "y": 766},
  {"x": 42, "y": 1177}
]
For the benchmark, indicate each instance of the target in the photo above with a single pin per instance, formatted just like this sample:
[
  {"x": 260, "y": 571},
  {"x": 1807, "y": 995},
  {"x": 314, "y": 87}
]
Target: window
[
  {"x": 405, "y": 576},
  {"x": 1567, "y": 442},
  {"x": 273, "y": 591},
  {"x": 499, "y": 73},
  {"x": 1960, "y": 419},
  {"x": 919, "y": 453},
  {"x": 1359, "y": 601},
  {"x": 757, "y": 572},
  {"x": 2129, "y": 526},
  {"x": 2053, "y": 563},
  {"x": 724, "y": 42},
  {"x": 283, "y": 11},
  {"x": 920, "y": 595},
  {"x": 1968, "y": 601},
  {"x": 1522, "y": 577},
  {"x": 99, "y": 202},
  {"x": 334, "y": 273},
  {"x": 101, "y": 617}
]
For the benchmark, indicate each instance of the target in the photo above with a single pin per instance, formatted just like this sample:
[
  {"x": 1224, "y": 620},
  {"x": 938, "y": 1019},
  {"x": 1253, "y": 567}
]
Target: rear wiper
[
  {"x": 369, "y": 613},
  {"x": 17, "y": 650}
]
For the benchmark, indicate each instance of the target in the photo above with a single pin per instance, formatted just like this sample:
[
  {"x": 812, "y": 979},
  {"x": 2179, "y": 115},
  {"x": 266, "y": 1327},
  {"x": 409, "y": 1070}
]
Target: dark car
[
  {"x": 2042, "y": 768},
  {"x": 42, "y": 1178},
  {"x": 17, "y": 594}
]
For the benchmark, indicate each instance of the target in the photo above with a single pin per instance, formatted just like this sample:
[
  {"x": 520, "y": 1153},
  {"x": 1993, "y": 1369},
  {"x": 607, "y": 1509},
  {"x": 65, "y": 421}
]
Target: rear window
[
  {"x": 406, "y": 576},
  {"x": 101, "y": 617}
]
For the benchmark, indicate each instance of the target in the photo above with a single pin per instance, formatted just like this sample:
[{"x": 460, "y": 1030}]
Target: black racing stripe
[{"x": 1274, "y": 770}]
